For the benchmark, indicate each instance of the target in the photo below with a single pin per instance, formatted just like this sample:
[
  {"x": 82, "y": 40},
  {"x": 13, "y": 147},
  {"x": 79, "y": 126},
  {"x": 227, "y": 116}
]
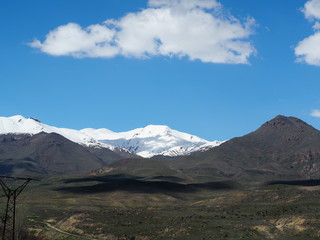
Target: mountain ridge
[
  {"x": 282, "y": 148},
  {"x": 146, "y": 142}
]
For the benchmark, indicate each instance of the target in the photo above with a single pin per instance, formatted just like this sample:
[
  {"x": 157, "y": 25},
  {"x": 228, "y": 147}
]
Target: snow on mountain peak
[
  {"x": 151, "y": 140},
  {"x": 157, "y": 129},
  {"x": 153, "y": 130},
  {"x": 147, "y": 142},
  {"x": 18, "y": 118},
  {"x": 21, "y": 125}
]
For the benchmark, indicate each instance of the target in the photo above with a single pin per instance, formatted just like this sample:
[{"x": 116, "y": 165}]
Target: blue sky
[{"x": 195, "y": 89}]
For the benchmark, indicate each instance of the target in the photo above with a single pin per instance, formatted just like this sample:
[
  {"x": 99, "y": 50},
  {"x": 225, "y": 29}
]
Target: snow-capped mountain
[
  {"x": 146, "y": 142},
  {"x": 151, "y": 140},
  {"x": 21, "y": 125}
]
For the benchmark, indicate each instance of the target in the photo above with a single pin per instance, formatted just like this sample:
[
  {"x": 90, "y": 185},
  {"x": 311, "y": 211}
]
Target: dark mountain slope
[
  {"x": 49, "y": 154},
  {"x": 108, "y": 156},
  {"x": 284, "y": 147}
]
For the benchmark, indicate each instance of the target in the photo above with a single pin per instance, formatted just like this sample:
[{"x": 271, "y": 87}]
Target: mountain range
[
  {"x": 282, "y": 148},
  {"x": 145, "y": 142}
]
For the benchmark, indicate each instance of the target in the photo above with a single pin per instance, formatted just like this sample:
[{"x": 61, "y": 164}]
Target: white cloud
[
  {"x": 308, "y": 50},
  {"x": 185, "y": 4},
  {"x": 315, "y": 113},
  {"x": 196, "y": 29},
  {"x": 72, "y": 40},
  {"x": 311, "y": 9}
]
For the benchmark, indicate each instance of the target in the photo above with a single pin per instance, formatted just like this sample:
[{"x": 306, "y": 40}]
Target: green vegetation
[{"x": 56, "y": 208}]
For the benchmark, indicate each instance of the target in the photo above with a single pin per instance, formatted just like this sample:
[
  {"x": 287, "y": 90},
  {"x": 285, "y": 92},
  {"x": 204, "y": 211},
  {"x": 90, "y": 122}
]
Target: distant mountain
[
  {"x": 50, "y": 153},
  {"x": 284, "y": 147},
  {"x": 21, "y": 125},
  {"x": 152, "y": 140},
  {"x": 146, "y": 142}
]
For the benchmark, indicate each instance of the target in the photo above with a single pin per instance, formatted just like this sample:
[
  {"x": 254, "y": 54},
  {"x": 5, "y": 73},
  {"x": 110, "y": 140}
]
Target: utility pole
[{"x": 9, "y": 221}]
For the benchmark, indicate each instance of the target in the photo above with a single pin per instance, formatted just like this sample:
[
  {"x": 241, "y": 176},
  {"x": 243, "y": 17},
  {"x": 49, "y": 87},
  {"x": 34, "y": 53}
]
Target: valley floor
[{"x": 92, "y": 208}]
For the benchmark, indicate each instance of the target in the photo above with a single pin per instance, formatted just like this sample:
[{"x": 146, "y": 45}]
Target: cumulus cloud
[
  {"x": 308, "y": 50},
  {"x": 196, "y": 29},
  {"x": 184, "y": 4},
  {"x": 311, "y": 9},
  {"x": 72, "y": 40},
  {"x": 315, "y": 113}
]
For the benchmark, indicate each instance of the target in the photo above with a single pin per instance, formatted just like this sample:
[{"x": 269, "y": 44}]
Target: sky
[{"x": 215, "y": 69}]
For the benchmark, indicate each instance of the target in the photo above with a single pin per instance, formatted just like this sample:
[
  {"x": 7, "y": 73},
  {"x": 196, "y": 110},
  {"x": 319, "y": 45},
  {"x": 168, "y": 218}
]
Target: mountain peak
[
  {"x": 17, "y": 118},
  {"x": 19, "y": 124},
  {"x": 283, "y": 122},
  {"x": 282, "y": 127},
  {"x": 154, "y": 130}
]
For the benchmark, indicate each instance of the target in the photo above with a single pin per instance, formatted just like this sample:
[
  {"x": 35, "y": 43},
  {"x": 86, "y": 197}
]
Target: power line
[{"x": 9, "y": 220}]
